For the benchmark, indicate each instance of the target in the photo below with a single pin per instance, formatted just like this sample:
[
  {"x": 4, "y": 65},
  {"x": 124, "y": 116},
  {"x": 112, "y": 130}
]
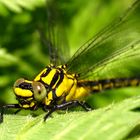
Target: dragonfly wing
[
  {"x": 114, "y": 44},
  {"x": 124, "y": 63},
  {"x": 55, "y": 38}
]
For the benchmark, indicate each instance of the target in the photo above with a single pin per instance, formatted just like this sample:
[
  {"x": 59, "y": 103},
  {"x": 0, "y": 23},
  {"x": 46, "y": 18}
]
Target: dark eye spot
[{"x": 39, "y": 92}]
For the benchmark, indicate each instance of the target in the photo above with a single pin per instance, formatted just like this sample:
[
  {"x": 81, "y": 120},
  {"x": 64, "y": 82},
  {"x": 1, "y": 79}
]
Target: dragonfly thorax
[{"x": 58, "y": 83}]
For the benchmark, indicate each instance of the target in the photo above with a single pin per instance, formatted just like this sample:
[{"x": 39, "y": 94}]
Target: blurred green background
[{"x": 22, "y": 53}]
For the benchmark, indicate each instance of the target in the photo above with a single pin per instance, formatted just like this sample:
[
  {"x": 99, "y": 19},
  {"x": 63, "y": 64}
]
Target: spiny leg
[
  {"x": 69, "y": 104},
  {"x": 6, "y": 107},
  {"x": 86, "y": 106},
  {"x": 49, "y": 113}
]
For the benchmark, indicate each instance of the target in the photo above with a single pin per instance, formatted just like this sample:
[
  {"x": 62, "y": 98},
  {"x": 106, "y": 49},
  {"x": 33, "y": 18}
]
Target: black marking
[
  {"x": 63, "y": 67},
  {"x": 54, "y": 79},
  {"x": 88, "y": 83},
  {"x": 46, "y": 85},
  {"x": 44, "y": 74},
  {"x": 24, "y": 100},
  {"x": 25, "y": 85},
  {"x": 22, "y": 97},
  {"x": 109, "y": 83},
  {"x": 54, "y": 94},
  {"x": 16, "y": 106},
  {"x": 60, "y": 79}
]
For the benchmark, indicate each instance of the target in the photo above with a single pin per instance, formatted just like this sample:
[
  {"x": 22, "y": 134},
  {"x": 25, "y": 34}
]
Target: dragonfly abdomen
[{"x": 97, "y": 86}]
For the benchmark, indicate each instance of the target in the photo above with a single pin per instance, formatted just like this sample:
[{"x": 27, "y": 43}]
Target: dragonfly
[{"x": 106, "y": 61}]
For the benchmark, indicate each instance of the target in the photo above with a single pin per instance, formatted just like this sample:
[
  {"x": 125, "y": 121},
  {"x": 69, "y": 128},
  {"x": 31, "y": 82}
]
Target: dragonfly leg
[
  {"x": 65, "y": 105},
  {"x": 6, "y": 107}
]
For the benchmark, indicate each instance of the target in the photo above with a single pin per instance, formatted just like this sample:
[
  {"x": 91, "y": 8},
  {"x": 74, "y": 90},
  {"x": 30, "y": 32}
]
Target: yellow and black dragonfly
[{"x": 65, "y": 83}]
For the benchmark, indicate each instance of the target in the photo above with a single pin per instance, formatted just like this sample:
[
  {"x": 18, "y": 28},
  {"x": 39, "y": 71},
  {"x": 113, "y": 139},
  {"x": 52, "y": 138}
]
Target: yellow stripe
[
  {"x": 108, "y": 85},
  {"x": 72, "y": 92},
  {"x": 23, "y": 92},
  {"x": 97, "y": 87},
  {"x": 80, "y": 94},
  {"x": 38, "y": 76},
  {"x": 25, "y": 106},
  {"x": 62, "y": 88},
  {"x": 134, "y": 82},
  {"x": 32, "y": 104},
  {"x": 50, "y": 96},
  {"x": 49, "y": 77},
  {"x": 27, "y": 81},
  {"x": 47, "y": 101},
  {"x": 65, "y": 86}
]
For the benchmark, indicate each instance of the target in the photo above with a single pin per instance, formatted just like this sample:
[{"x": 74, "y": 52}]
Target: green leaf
[
  {"x": 18, "y": 5},
  {"x": 6, "y": 58},
  {"x": 115, "y": 122}
]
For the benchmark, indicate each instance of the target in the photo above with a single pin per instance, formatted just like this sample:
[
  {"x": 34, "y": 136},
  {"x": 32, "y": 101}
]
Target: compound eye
[
  {"x": 18, "y": 82},
  {"x": 39, "y": 91}
]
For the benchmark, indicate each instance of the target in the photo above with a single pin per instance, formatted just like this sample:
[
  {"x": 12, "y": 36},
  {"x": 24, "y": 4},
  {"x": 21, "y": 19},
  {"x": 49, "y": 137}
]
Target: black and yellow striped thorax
[{"x": 58, "y": 82}]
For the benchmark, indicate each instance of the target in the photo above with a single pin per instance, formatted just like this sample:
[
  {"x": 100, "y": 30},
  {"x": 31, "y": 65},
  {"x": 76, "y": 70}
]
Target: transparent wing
[
  {"x": 124, "y": 63},
  {"x": 55, "y": 37},
  {"x": 113, "y": 51}
]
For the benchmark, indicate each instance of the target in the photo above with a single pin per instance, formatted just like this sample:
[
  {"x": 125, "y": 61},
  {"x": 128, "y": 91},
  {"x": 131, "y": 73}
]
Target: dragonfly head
[{"x": 29, "y": 93}]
